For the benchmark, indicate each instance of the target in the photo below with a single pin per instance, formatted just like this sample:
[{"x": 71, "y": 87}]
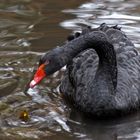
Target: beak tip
[{"x": 32, "y": 84}]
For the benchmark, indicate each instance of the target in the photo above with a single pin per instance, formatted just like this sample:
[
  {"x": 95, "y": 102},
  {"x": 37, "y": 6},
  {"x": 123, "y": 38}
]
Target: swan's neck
[
  {"x": 107, "y": 68},
  {"x": 98, "y": 41}
]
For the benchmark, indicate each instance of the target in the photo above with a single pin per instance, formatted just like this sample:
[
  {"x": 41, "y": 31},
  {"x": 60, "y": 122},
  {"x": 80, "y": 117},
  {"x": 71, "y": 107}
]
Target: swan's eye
[{"x": 47, "y": 62}]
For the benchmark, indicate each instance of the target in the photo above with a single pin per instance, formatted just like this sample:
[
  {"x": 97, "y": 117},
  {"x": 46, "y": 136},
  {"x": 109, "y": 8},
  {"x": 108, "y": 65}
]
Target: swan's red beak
[{"x": 38, "y": 76}]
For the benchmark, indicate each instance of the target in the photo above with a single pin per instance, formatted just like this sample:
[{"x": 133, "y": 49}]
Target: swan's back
[{"x": 78, "y": 80}]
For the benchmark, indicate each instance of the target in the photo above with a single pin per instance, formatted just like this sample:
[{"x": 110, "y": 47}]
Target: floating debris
[{"x": 24, "y": 116}]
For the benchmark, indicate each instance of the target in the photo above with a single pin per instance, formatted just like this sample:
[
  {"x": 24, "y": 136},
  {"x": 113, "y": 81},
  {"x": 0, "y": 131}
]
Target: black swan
[{"x": 103, "y": 71}]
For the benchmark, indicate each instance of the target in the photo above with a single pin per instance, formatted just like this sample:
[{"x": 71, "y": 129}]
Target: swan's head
[
  {"x": 48, "y": 64},
  {"x": 53, "y": 61}
]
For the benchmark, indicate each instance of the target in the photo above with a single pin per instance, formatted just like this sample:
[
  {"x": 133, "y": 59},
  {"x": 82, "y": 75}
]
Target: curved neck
[{"x": 97, "y": 41}]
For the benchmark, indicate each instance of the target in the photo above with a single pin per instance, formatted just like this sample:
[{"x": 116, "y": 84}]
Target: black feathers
[
  {"x": 93, "y": 93},
  {"x": 103, "y": 70}
]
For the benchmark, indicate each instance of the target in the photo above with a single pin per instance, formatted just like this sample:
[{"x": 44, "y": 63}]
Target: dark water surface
[{"x": 28, "y": 28}]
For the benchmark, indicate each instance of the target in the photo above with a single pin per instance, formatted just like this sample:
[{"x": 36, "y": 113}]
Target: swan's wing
[
  {"x": 128, "y": 86},
  {"x": 128, "y": 60},
  {"x": 122, "y": 44}
]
